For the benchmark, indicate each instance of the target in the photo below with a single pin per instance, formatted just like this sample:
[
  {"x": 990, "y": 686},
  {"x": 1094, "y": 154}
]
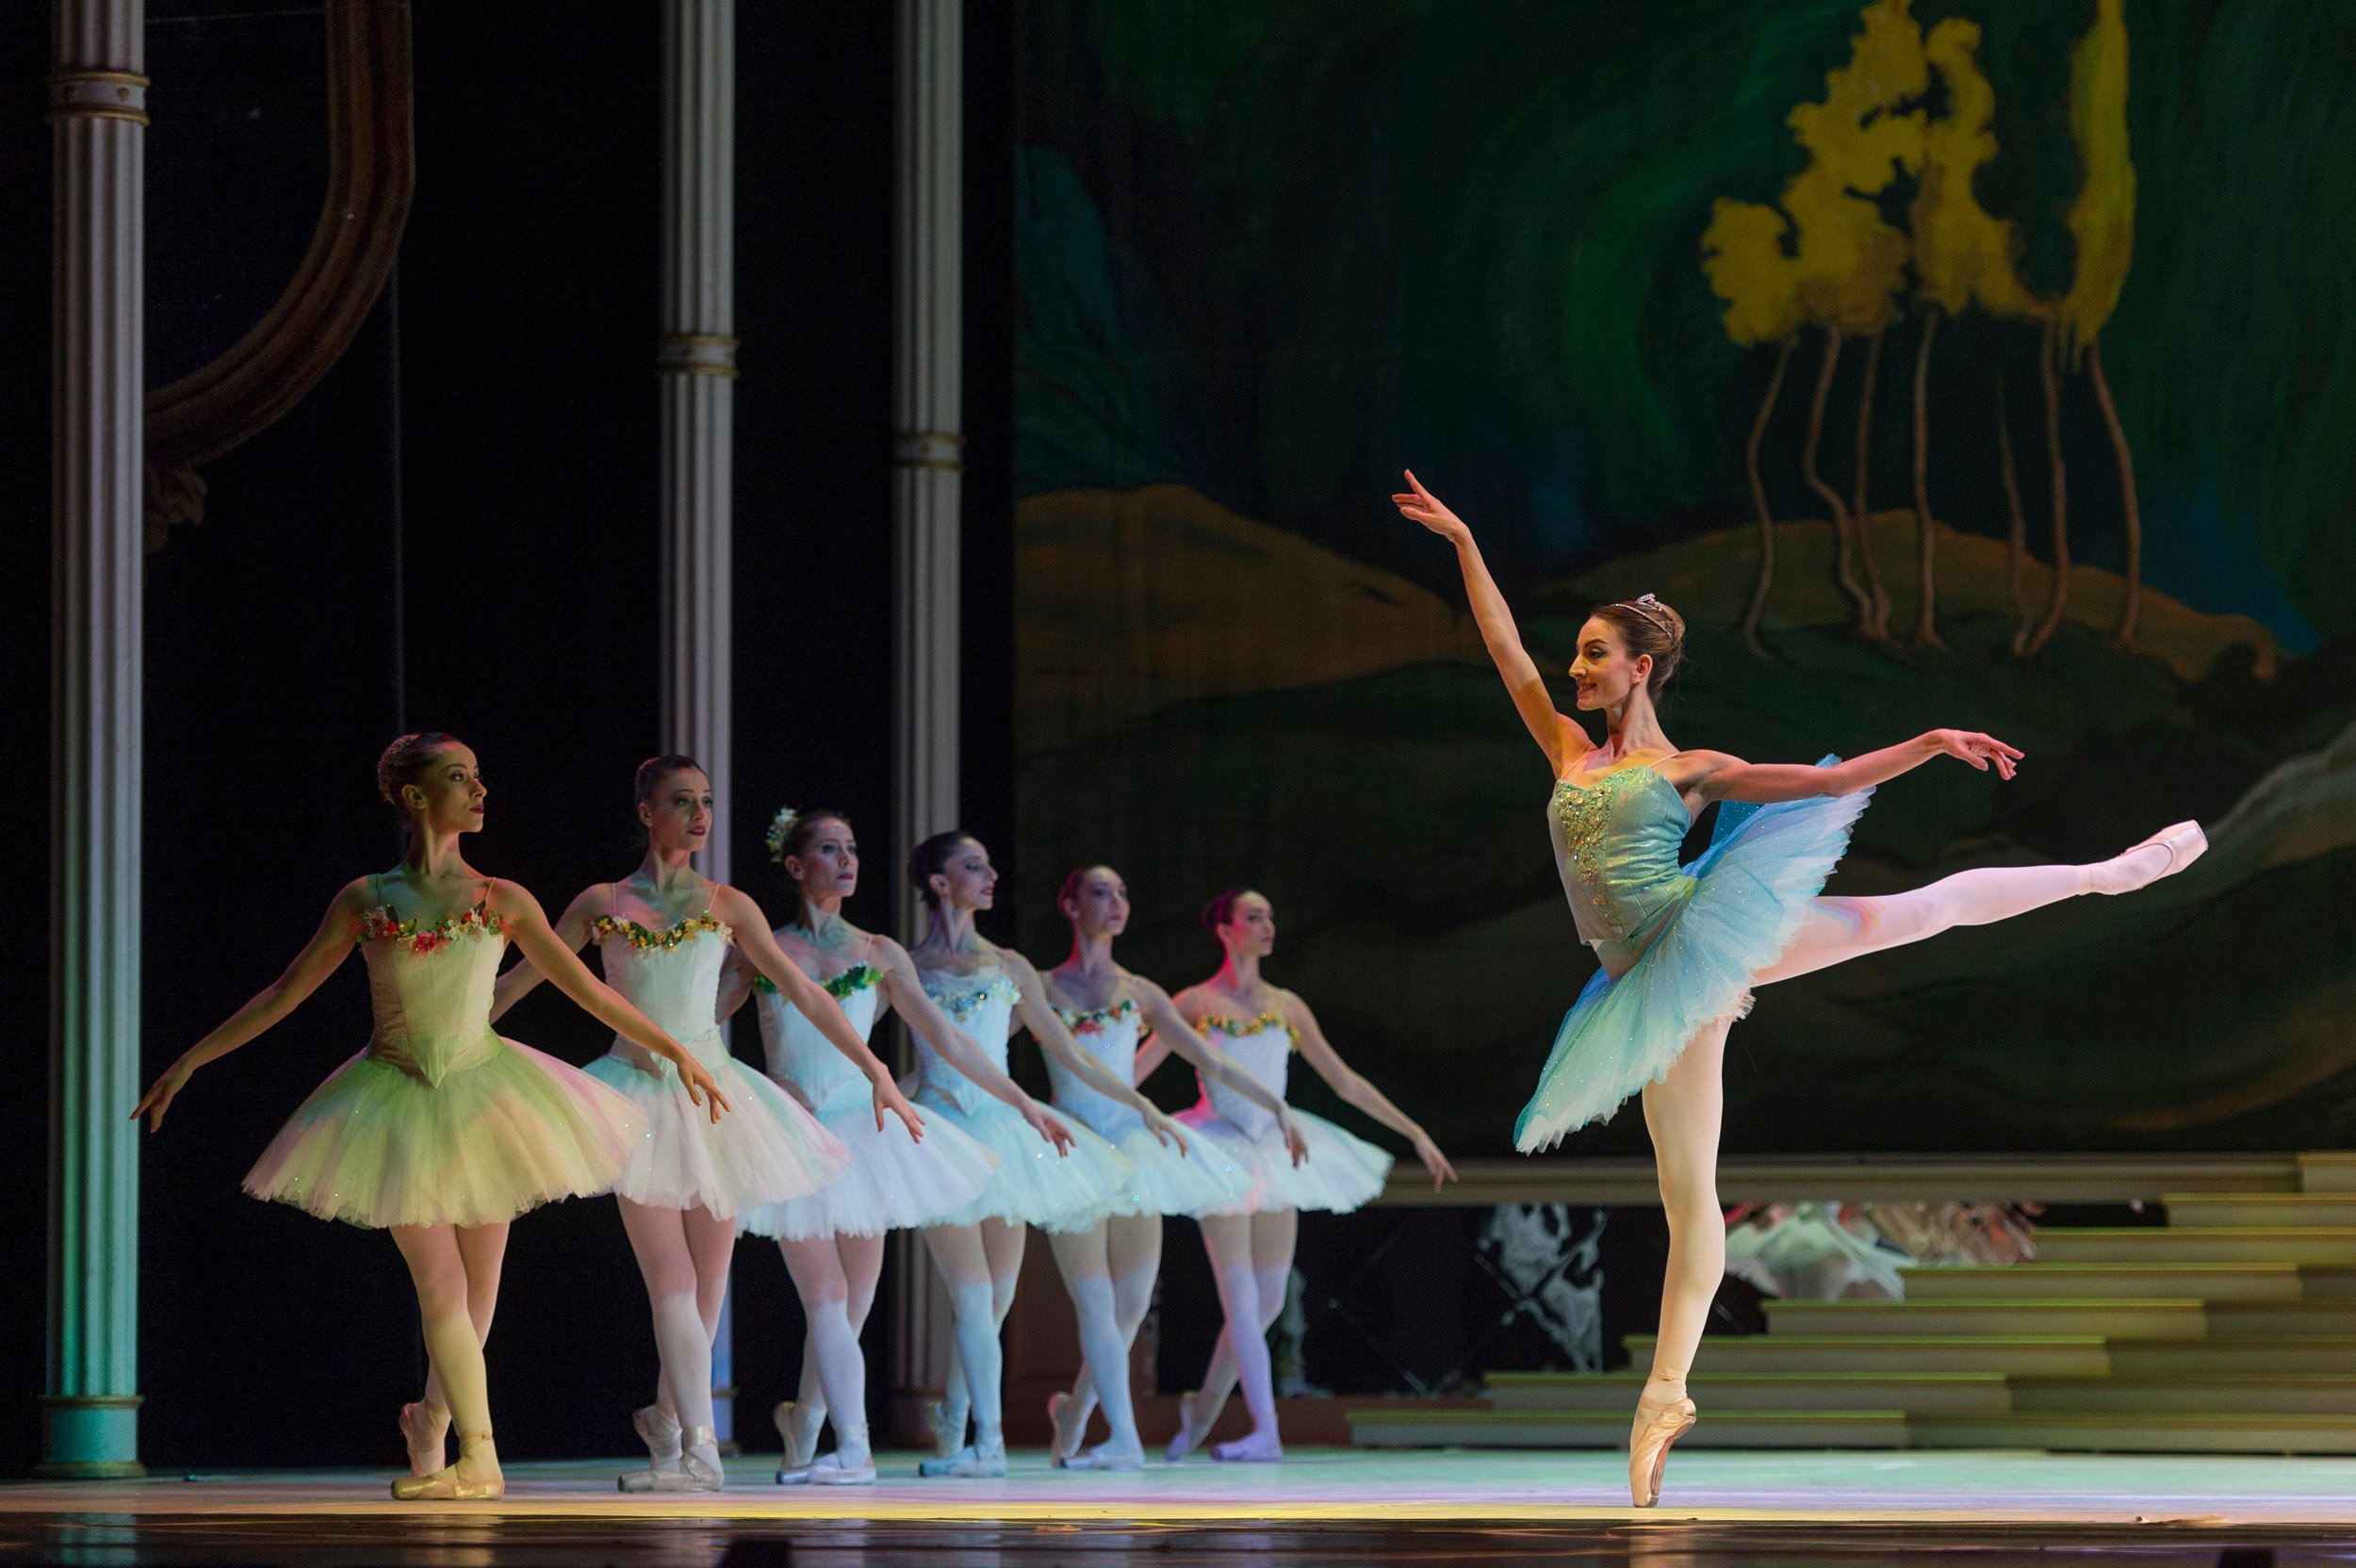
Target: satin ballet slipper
[
  {"x": 857, "y": 1469},
  {"x": 798, "y": 1430},
  {"x": 985, "y": 1460},
  {"x": 1060, "y": 1447},
  {"x": 659, "y": 1429},
  {"x": 1251, "y": 1448},
  {"x": 700, "y": 1468},
  {"x": 423, "y": 1432},
  {"x": 2185, "y": 843},
  {"x": 1649, "y": 1446},
  {"x": 946, "y": 1444},
  {"x": 1182, "y": 1444},
  {"x": 447, "y": 1485},
  {"x": 1108, "y": 1456}
]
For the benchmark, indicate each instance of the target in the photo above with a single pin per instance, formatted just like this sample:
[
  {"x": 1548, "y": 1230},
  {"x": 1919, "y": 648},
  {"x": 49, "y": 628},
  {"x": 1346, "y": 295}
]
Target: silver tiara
[{"x": 1655, "y": 611}]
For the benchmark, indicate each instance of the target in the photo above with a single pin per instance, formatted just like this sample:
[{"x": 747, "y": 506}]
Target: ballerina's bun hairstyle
[
  {"x": 654, "y": 770},
  {"x": 1221, "y": 912},
  {"x": 1647, "y": 625},
  {"x": 1073, "y": 883},
  {"x": 929, "y": 856},
  {"x": 405, "y": 762},
  {"x": 790, "y": 833}
]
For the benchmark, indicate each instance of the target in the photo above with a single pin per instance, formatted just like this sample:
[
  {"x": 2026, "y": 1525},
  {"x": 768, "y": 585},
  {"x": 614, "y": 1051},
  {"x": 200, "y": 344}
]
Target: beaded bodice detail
[
  {"x": 1109, "y": 1035},
  {"x": 671, "y": 975},
  {"x": 1262, "y": 1046},
  {"x": 982, "y": 1005},
  {"x": 1615, "y": 843},
  {"x": 800, "y": 1056}
]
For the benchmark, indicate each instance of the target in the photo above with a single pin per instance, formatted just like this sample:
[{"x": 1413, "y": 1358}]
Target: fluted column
[
  {"x": 98, "y": 114},
  {"x": 927, "y": 467},
  {"x": 697, "y": 361}
]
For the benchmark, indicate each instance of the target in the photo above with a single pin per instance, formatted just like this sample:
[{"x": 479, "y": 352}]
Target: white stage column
[
  {"x": 697, "y": 361},
  {"x": 927, "y": 467},
  {"x": 98, "y": 112}
]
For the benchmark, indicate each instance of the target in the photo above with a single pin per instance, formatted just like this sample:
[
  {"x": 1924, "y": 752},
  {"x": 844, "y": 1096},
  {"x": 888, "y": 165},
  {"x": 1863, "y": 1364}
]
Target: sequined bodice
[
  {"x": 1263, "y": 1048},
  {"x": 981, "y": 1004},
  {"x": 431, "y": 999},
  {"x": 1615, "y": 842},
  {"x": 1109, "y": 1035},
  {"x": 673, "y": 976},
  {"x": 800, "y": 1056}
]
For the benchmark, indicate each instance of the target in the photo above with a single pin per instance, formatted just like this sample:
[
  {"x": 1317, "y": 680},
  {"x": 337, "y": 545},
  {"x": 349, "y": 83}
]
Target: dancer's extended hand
[
  {"x": 1050, "y": 1127},
  {"x": 1168, "y": 1130},
  {"x": 702, "y": 1087},
  {"x": 1981, "y": 751},
  {"x": 1418, "y": 505},
  {"x": 1293, "y": 1139},
  {"x": 889, "y": 1100},
  {"x": 1434, "y": 1161},
  {"x": 159, "y": 1094}
]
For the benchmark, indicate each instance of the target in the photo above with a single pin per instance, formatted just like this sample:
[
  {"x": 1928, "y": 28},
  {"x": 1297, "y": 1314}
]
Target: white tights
[
  {"x": 1684, "y": 1109},
  {"x": 684, "y": 1255},
  {"x": 1109, "y": 1272},
  {"x": 1251, "y": 1261},
  {"x": 981, "y": 1263},
  {"x": 455, "y": 1270},
  {"x": 835, "y": 1277}
]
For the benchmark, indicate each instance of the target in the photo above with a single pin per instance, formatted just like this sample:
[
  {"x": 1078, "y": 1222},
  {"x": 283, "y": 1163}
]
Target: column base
[{"x": 90, "y": 1437}]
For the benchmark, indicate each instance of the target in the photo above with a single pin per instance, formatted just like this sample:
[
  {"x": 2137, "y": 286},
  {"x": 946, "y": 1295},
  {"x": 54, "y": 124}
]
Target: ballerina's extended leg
[
  {"x": 966, "y": 1262},
  {"x": 667, "y": 1242},
  {"x": 437, "y": 1268},
  {"x": 1251, "y": 1261},
  {"x": 832, "y": 1356},
  {"x": 425, "y": 1424},
  {"x": 1085, "y": 1261},
  {"x": 1133, "y": 1251}
]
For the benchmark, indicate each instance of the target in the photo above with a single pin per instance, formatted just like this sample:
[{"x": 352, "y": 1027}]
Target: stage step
[
  {"x": 2050, "y": 1355},
  {"x": 2172, "y": 1358},
  {"x": 1947, "y": 1393},
  {"x": 2141, "y": 1317},
  {"x": 2185, "y": 1394},
  {"x": 2336, "y": 1209},
  {"x": 2327, "y": 1173},
  {"x": 2206, "y": 1282},
  {"x": 1372, "y": 1426},
  {"x": 2175, "y": 1244},
  {"x": 2135, "y": 1433},
  {"x": 2273, "y": 1319}
]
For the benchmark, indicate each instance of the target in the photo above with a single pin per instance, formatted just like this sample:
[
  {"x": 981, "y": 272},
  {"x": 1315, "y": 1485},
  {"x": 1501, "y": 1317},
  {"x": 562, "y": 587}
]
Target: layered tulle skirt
[
  {"x": 378, "y": 1146},
  {"x": 764, "y": 1149},
  {"x": 1341, "y": 1172},
  {"x": 893, "y": 1182},
  {"x": 1033, "y": 1184},
  {"x": 1749, "y": 890},
  {"x": 1164, "y": 1182}
]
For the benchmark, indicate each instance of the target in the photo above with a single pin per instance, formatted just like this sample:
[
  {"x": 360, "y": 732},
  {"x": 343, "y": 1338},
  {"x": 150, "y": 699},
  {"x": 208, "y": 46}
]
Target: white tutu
[
  {"x": 1342, "y": 1172},
  {"x": 1033, "y": 1186},
  {"x": 764, "y": 1149},
  {"x": 1161, "y": 1180},
  {"x": 893, "y": 1182},
  {"x": 1164, "y": 1182}
]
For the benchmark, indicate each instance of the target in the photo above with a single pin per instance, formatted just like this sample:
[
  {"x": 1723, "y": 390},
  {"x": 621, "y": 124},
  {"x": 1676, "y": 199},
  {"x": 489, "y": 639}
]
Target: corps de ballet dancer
[
  {"x": 989, "y": 990},
  {"x": 1109, "y": 1268},
  {"x": 1251, "y": 1240},
  {"x": 832, "y": 1240},
  {"x": 663, "y": 936},
  {"x": 440, "y": 1130},
  {"x": 1682, "y": 947}
]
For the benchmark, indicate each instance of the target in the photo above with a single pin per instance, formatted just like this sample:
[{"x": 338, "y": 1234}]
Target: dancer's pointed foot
[
  {"x": 1111, "y": 1455},
  {"x": 475, "y": 1478},
  {"x": 1064, "y": 1443},
  {"x": 797, "y": 1427},
  {"x": 948, "y": 1436},
  {"x": 698, "y": 1468},
  {"x": 2164, "y": 854},
  {"x": 1189, "y": 1432},
  {"x": 659, "y": 1429},
  {"x": 985, "y": 1460},
  {"x": 423, "y": 1427},
  {"x": 844, "y": 1467},
  {"x": 1663, "y": 1414},
  {"x": 1255, "y": 1448}
]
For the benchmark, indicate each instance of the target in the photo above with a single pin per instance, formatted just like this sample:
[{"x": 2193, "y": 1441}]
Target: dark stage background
[{"x": 527, "y": 463}]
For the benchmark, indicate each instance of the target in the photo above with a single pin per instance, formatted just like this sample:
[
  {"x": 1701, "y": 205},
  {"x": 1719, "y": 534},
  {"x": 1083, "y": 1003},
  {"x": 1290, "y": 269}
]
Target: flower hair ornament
[{"x": 780, "y": 826}]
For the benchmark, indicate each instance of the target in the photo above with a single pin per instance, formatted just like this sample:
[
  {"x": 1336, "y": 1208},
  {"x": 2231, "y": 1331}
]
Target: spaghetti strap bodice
[
  {"x": 671, "y": 975},
  {"x": 1109, "y": 1035},
  {"x": 800, "y": 1056},
  {"x": 429, "y": 986},
  {"x": 1263, "y": 1048},
  {"x": 982, "y": 1005}
]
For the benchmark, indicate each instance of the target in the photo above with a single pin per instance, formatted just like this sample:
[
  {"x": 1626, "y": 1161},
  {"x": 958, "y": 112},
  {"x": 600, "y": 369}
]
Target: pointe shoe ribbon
[{"x": 1649, "y": 1448}]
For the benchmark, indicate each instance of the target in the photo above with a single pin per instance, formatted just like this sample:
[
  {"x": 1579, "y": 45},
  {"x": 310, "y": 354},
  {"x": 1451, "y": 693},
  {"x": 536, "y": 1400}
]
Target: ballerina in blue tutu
[{"x": 1682, "y": 946}]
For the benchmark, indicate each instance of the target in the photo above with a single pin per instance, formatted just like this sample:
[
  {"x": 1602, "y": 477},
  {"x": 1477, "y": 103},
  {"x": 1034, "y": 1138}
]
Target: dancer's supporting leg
[
  {"x": 425, "y": 1424},
  {"x": 858, "y": 1262},
  {"x": 1133, "y": 1257},
  {"x": 1251, "y": 1260},
  {"x": 972, "y": 1258},
  {"x": 1085, "y": 1260},
  {"x": 682, "y": 1255},
  {"x": 1683, "y": 1112},
  {"x": 436, "y": 1256},
  {"x": 831, "y": 1357}
]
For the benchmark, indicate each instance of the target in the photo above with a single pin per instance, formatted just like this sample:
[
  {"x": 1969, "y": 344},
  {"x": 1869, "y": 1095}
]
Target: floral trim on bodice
[
  {"x": 841, "y": 987},
  {"x": 1095, "y": 1020},
  {"x": 998, "y": 987},
  {"x": 666, "y": 938},
  {"x": 1582, "y": 813},
  {"x": 379, "y": 925},
  {"x": 1235, "y": 1029}
]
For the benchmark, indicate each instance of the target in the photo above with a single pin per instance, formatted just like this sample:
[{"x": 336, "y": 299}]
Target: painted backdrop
[{"x": 1987, "y": 362}]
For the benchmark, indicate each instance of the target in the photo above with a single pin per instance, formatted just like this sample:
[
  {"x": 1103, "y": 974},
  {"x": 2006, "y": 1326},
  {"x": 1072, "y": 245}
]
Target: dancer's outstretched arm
[
  {"x": 1560, "y": 737},
  {"x": 1173, "y": 1032},
  {"x": 572, "y": 929},
  {"x": 1039, "y": 1017},
  {"x": 1715, "y": 776},
  {"x": 815, "y": 1001},
  {"x": 903, "y": 990},
  {"x": 1319, "y": 1054},
  {"x": 329, "y": 946},
  {"x": 527, "y": 925}
]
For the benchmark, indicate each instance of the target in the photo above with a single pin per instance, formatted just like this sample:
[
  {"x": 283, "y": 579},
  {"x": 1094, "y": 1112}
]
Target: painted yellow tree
[{"x": 2102, "y": 222}]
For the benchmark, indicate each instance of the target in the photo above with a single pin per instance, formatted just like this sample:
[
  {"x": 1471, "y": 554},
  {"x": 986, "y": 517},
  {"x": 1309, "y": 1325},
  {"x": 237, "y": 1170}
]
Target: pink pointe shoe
[
  {"x": 2131, "y": 869},
  {"x": 475, "y": 1478},
  {"x": 423, "y": 1432},
  {"x": 1657, "y": 1426}
]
